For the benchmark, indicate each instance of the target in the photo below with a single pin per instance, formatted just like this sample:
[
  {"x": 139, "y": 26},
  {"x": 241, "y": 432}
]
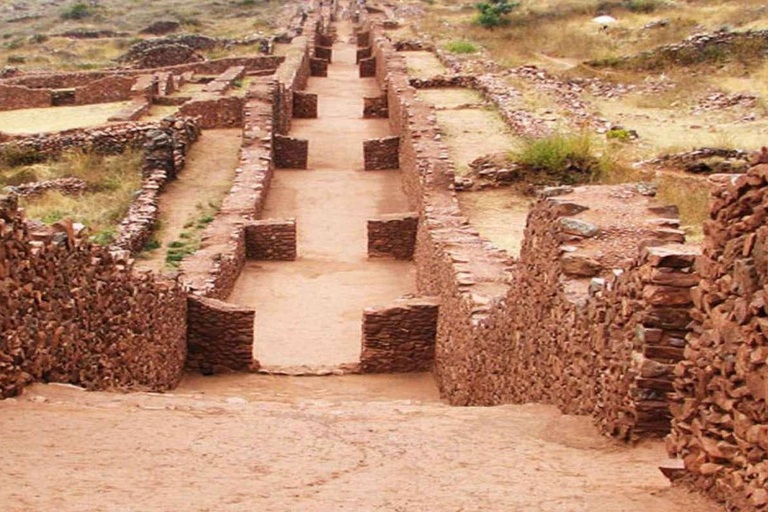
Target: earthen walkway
[{"x": 309, "y": 312}]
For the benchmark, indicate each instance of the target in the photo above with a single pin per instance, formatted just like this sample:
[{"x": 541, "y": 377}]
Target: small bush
[
  {"x": 461, "y": 47},
  {"x": 77, "y": 11},
  {"x": 152, "y": 245},
  {"x": 567, "y": 158},
  {"x": 493, "y": 13},
  {"x": 619, "y": 134},
  {"x": 39, "y": 38},
  {"x": 16, "y": 59}
]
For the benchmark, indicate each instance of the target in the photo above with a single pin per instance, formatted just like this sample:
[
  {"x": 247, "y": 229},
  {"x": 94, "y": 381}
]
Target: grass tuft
[{"x": 461, "y": 47}]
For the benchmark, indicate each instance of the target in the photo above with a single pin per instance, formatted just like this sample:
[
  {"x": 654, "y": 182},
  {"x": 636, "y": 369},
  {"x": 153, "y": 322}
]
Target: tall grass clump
[
  {"x": 461, "y": 47},
  {"x": 564, "y": 157},
  {"x": 77, "y": 11}
]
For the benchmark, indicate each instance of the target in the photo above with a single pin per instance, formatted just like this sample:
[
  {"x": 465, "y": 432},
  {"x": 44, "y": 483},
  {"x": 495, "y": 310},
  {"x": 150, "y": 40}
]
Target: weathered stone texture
[
  {"x": 381, "y": 154},
  {"x": 393, "y": 235},
  {"x": 400, "y": 337},
  {"x": 13, "y": 97},
  {"x": 318, "y": 67},
  {"x": 368, "y": 67},
  {"x": 304, "y": 105},
  {"x": 105, "y": 90},
  {"x": 720, "y": 426},
  {"x": 363, "y": 53},
  {"x": 220, "y": 337},
  {"x": 323, "y": 53},
  {"x": 375, "y": 107},
  {"x": 73, "y": 312},
  {"x": 219, "y": 112},
  {"x": 291, "y": 153},
  {"x": 271, "y": 239}
]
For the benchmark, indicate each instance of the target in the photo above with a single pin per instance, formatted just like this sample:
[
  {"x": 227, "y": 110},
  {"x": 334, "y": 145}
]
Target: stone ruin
[{"x": 606, "y": 312}]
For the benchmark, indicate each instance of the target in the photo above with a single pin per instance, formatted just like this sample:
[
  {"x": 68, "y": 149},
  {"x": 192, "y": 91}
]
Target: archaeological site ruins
[{"x": 303, "y": 275}]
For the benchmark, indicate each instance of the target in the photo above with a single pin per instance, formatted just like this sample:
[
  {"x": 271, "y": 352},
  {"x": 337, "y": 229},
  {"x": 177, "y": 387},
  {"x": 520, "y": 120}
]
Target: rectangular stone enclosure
[
  {"x": 382, "y": 154},
  {"x": 399, "y": 338},
  {"x": 304, "y": 105}
]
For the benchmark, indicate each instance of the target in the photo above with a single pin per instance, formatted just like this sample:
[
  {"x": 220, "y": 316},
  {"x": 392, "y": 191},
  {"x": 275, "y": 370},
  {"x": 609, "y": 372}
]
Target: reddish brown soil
[
  {"x": 245, "y": 443},
  {"x": 309, "y": 312}
]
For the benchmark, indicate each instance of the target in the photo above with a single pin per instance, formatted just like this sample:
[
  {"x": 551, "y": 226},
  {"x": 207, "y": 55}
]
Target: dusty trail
[
  {"x": 207, "y": 177},
  {"x": 308, "y": 312},
  {"x": 279, "y": 444}
]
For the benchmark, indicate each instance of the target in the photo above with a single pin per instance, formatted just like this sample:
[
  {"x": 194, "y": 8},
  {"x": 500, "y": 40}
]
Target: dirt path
[
  {"x": 314, "y": 444},
  {"x": 309, "y": 312},
  {"x": 205, "y": 180}
]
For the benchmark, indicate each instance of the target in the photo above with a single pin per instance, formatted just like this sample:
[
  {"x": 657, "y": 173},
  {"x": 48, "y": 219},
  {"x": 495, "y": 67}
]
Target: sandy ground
[
  {"x": 356, "y": 443},
  {"x": 309, "y": 312},
  {"x": 499, "y": 215},
  {"x": 54, "y": 119},
  {"x": 206, "y": 178}
]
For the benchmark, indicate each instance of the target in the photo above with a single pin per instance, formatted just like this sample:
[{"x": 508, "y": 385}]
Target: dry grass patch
[
  {"x": 54, "y": 119},
  {"x": 423, "y": 64}
]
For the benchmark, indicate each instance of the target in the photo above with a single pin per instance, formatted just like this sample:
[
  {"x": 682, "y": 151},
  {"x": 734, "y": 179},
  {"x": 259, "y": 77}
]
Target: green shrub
[
  {"x": 39, "y": 38},
  {"x": 461, "y": 47},
  {"x": 619, "y": 134},
  {"x": 152, "y": 245},
  {"x": 16, "y": 59},
  {"x": 104, "y": 237},
  {"x": 493, "y": 13},
  {"x": 77, "y": 11},
  {"x": 567, "y": 158}
]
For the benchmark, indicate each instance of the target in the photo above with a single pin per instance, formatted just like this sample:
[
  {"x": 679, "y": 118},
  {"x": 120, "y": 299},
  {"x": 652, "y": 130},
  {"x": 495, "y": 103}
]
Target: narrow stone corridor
[{"x": 308, "y": 312}]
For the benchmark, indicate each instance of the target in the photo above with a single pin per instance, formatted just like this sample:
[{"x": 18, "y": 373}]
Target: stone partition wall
[
  {"x": 399, "y": 338},
  {"x": 323, "y": 53},
  {"x": 13, "y": 97},
  {"x": 290, "y": 152},
  {"x": 220, "y": 337},
  {"x": 582, "y": 320},
  {"x": 271, "y": 239},
  {"x": 136, "y": 109},
  {"x": 381, "y": 154},
  {"x": 363, "y": 53},
  {"x": 226, "y": 80},
  {"x": 73, "y": 312},
  {"x": 304, "y": 105},
  {"x": 220, "y": 112},
  {"x": 368, "y": 67},
  {"x": 720, "y": 404},
  {"x": 375, "y": 107},
  {"x": 393, "y": 235},
  {"x": 105, "y": 90}
]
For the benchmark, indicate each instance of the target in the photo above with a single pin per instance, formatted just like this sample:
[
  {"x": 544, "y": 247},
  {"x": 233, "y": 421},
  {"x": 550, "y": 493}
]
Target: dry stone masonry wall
[{"x": 393, "y": 235}]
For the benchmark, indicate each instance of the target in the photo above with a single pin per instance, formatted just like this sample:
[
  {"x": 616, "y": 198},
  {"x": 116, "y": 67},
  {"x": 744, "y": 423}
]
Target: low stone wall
[
  {"x": 220, "y": 337},
  {"x": 375, "y": 107},
  {"x": 323, "y": 53},
  {"x": 105, "y": 90},
  {"x": 221, "y": 112},
  {"x": 108, "y": 139},
  {"x": 720, "y": 426},
  {"x": 393, "y": 235},
  {"x": 381, "y": 154},
  {"x": 226, "y": 80},
  {"x": 14, "y": 97},
  {"x": 68, "y": 186},
  {"x": 318, "y": 67},
  {"x": 72, "y": 312},
  {"x": 363, "y": 53},
  {"x": 368, "y": 67},
  {"x": 291, "y": 153},
  {"x": 135, "y": 110},
  {"x": 399, "y": 338},
  {"x": 271, "y": 239},
  {"x": 304, "y": 105},
  {"x": 165, "y": 152}
]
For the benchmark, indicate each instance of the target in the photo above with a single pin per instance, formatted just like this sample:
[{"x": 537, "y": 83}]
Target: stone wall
[
  {"x": 393, "y": 235},
  {"x": 399, "y": 338},
  {"x": 136, "y": 109},
  {"x": 226, "y": 80},
  {"x": 368, "y": 67},
  {"x": 105, "y": 90},
  {"x": 220, "y": 337},
  {"x": 165, "y": 152},
  {"x": 375, "y": 107},
  {"x": 291, "y": 153},
  {"x": 720, "y": 426},
  {"x": 73, "y": 312},
  {"x": 363, "y": 53},
  {"x": 107, "y": 139},
  {"x": 271, "y": 239},
  {"x": 14, "y": 97},
  {"x": 220, "y": 112},
  {"x": 67, "y": 186},
  {"x": 381, "y": 154},
  {"x": 304, "y": 105},
  {"x": 582, "y": 320},
  {"x": 318, "y": 67},
  {"x": 323, "y": 53}
]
